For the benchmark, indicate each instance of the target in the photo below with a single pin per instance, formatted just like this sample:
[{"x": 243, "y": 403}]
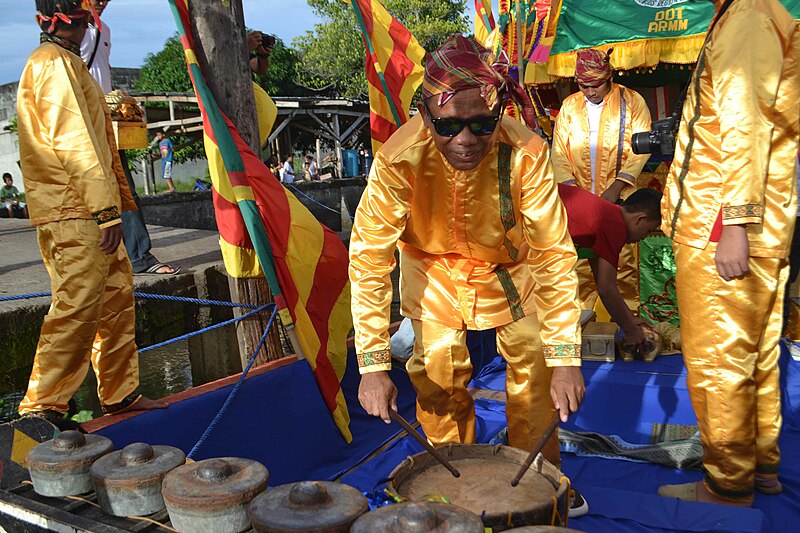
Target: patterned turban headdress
[
  {"x": 593, "y": 67},
  {"x": 462, "y": 63},
  {"x": 66, "y": 11}
]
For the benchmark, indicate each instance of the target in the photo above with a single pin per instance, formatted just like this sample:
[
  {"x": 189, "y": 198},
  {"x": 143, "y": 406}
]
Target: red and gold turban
[
  {"x": 462, "y": 63},
  {"x": 592, "y": 67},
  {"x": 50, "y": 12}
]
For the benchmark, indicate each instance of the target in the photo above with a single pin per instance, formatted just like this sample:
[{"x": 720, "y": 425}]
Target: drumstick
[
  {"x": 425, "y": 444},
  {"x": 536, "y": 449}
]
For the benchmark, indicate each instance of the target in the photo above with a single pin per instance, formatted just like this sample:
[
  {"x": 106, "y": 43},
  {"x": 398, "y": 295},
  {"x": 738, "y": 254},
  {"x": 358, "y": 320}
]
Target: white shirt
[
  {"x": 287, "y": 176},
  {"x": 594, "y": 110},
  {"x": 101, "y": 66}
]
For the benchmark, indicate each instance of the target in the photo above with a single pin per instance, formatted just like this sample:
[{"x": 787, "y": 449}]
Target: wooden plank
[{"x": 47, "y": 517}]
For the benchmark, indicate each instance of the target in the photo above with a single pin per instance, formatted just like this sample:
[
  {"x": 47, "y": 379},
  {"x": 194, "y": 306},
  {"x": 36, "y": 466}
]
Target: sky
[{"x": 139, "y": 27}]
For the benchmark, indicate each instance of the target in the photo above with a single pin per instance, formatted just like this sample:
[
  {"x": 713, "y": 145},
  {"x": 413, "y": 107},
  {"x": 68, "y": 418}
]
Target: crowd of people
[{"x": 489, "y": 222}]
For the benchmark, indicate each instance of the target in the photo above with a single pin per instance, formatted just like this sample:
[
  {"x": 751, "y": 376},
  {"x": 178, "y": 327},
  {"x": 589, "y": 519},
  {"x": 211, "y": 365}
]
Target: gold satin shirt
[
  {"x": 478, "y": 248},
  {"x": 66, "y": 142},
  {"x": 571, "y": 154},
  {"x": 746, "y": 138}
]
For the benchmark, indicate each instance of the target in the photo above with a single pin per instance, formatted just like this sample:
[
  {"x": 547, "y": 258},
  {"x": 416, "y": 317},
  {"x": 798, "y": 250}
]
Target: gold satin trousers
[
  {"x": 91, "y": 318},
  {"x": 730, "y": 332},
  {"x": 440, "y": 370},
  {"x": 627, "y": 279}
]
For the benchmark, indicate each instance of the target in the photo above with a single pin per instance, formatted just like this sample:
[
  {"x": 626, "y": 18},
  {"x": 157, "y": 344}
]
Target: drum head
[{"x": 484, "y": 486}]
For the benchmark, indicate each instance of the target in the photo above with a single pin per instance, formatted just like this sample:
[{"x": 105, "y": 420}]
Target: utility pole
[{"x": 220, "y": 39}]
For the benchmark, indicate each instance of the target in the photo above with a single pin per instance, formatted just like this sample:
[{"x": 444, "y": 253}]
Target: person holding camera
[
  {"x": 729, "y": 205},
  {"x": 592, "y": 149},
  {"x": 260, "y": 46}
]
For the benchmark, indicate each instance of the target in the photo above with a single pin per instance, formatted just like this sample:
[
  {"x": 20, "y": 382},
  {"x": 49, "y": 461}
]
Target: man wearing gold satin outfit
[
  {"x": 470, "y": 200},
  {"x": 592, "y": 149},
  {"x": 729, "y": 206},
  {"x": 75, "y": 198}
]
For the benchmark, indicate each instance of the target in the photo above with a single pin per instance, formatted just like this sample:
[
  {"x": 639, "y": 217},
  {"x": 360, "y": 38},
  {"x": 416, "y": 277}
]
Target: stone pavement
[{"x": 22, "y": 270}]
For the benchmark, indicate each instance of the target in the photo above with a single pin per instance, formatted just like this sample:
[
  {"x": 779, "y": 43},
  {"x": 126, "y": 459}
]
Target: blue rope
[
  {"x": 24, "y": 296},
  {"x": 235, "y": 388},
  {"x": 295, "y": 189},
  {"x": 205, "y": 329},
  {"x": 199, "y": 301},
  {"x": 145, "y": 296}
]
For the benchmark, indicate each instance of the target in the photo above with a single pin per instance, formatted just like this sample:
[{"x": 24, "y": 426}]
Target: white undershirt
[
  {"x": 101, "y": 66},
  {"x": 594, "y": 111}
]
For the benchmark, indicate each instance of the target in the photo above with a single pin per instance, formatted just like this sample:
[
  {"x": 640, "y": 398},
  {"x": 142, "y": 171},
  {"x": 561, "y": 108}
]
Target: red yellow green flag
[
  {"x": 393, "y": 65},
  {"x": 261, "y": 223}
]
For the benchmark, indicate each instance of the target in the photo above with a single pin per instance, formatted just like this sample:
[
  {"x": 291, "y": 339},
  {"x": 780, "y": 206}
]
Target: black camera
[
  {"x": 659, "y": 140},
  {"x": 267, "y": 40}
]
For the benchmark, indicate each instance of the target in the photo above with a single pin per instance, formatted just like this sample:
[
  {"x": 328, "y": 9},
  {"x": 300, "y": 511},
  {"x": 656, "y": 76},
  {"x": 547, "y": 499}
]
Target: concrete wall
[
  {"x": 181, "y": 172},
  {"x": 213, "y": 356},
  {"x": 8, "y": 103},
  {"x": 195, "y": 210},
  {"x": 9, "y": 157}
]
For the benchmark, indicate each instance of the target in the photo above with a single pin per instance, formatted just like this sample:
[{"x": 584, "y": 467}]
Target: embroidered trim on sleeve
[
  {"x": 562, "y": 351},
  {"x": 743, "y": 211},
  {"x": 380, "y": 357},
  {"x": 106, "y": 215}
]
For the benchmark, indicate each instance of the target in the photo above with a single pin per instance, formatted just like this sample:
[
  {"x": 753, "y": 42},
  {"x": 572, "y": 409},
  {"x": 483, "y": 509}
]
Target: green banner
[
  {"x": 586, "y": 24},
  {"x": 659, "y": 300}
]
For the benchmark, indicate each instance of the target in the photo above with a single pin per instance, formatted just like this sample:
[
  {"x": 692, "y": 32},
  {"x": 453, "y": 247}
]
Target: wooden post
[
  {"x": 223, "y": 57},
  {"x": 146, "y": 175},
  {"x": 337, "y": 146}
]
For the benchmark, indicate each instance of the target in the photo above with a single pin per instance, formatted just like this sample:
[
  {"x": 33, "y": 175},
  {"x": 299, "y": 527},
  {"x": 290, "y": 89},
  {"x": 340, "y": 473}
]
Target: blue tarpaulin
[{"x": 279, "y": 419}]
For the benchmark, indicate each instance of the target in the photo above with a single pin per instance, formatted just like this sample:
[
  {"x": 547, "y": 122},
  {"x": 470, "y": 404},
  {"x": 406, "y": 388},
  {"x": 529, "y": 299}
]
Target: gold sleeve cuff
[
  {"x": 627, "y": 178},
  {"x": 380, "y": 360},
  {"x": 562, "y": 355},
  {"x": 107, "y": 217},
  {"x": 742, "y": 214},
  {"x": 375, "y": 368}
]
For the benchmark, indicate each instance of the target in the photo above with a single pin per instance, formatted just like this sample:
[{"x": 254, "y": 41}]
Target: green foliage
[
  {"x": 165, "y": 71},
  {"x": 83, "y": 416},
  {"x": 12, "y": 124},
  {"x": 280, "y": 78},
  {"x": 332, "y": 56}
]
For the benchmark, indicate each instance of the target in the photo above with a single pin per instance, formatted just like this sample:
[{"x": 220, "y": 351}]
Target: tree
[
  {"x": 332, "y": 56},
  {"x": 165, "y": 71}
]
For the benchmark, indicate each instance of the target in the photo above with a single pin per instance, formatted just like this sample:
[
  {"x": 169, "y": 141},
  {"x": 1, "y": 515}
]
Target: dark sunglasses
[{"x": 450, "y": 127}]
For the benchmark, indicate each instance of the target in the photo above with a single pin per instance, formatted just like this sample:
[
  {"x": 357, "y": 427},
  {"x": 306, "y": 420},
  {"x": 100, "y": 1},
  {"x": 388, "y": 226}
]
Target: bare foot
[
  {"x": 146, "y": 404},
  {"x": 705, "y": 495},
  {"x": 142, "y": 403}
]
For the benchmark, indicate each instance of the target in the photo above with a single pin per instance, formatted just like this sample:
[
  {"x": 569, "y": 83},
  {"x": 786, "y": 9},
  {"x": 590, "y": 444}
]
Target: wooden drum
[{"x": 484, "y": 487}]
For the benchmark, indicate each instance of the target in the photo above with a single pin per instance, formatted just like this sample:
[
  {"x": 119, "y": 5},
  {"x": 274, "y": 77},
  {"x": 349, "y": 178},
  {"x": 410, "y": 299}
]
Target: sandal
[{"x": 155, "y": 269}]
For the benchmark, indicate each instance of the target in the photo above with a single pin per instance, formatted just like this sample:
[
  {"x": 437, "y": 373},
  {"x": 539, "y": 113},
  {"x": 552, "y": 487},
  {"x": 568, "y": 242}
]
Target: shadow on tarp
[{"x": 278, "y": 418}]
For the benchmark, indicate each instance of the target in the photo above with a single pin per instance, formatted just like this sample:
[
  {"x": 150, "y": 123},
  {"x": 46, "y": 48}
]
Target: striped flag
[
  {"x": 261, "y": 223},
  {"x": 393, "y": 65},
  {"x": 484, "y": 21}
]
